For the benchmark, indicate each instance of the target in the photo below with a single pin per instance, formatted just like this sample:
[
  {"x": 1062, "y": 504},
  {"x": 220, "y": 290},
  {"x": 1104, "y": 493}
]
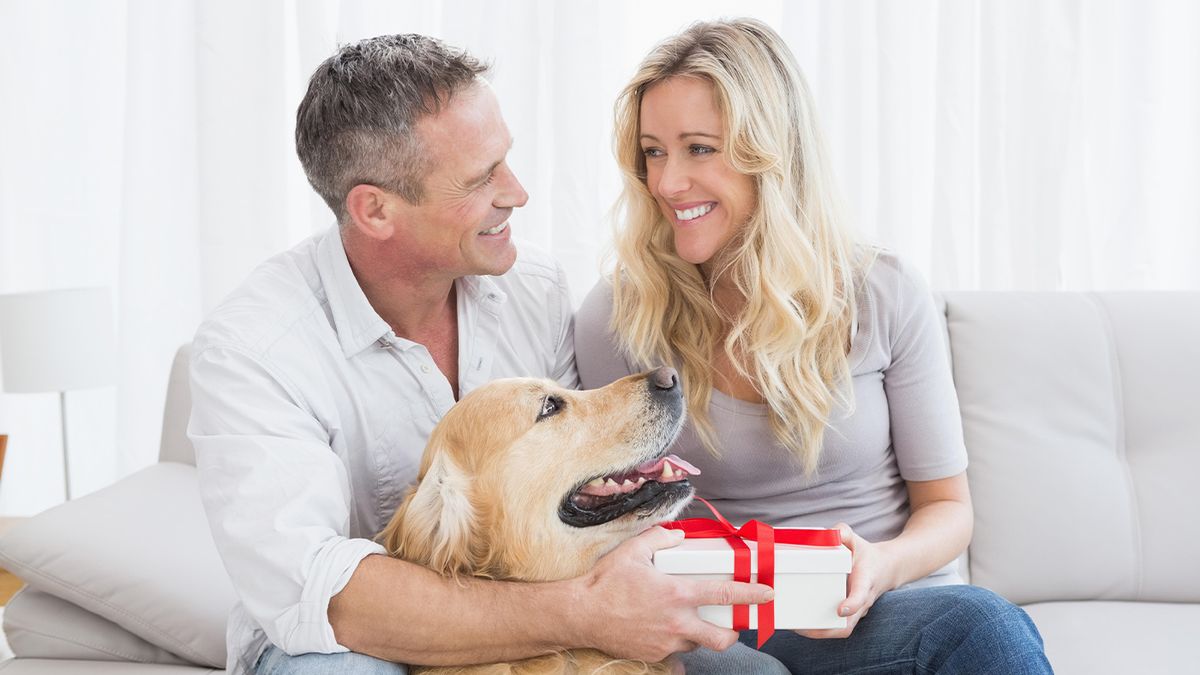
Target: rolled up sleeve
[{"x": 278, "y": 498}]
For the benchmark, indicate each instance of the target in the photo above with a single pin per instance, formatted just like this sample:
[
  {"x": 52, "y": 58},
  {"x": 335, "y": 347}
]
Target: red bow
[{"x": 766, "y": 537}]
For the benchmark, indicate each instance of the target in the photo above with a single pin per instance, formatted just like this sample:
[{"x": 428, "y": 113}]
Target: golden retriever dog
[{"x": 524, "y": 480}]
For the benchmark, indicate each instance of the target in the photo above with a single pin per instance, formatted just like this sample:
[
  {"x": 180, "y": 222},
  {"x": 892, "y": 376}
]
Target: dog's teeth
[
  {"x": 627, "y": 483},
  {"x": 596, "y": 482},
  {"x": 667, "y": 472},
  {"x": 610, "y": 483},
  {"x": 640, "y": 480}
]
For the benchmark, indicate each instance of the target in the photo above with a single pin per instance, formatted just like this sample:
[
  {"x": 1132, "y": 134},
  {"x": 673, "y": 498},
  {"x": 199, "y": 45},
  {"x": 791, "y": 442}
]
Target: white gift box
[{"x": 810, "y": 581}]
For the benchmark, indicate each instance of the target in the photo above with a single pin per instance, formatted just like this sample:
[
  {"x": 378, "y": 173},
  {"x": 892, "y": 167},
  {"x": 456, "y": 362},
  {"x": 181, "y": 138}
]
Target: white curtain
[{"x": 146, "y": 146}]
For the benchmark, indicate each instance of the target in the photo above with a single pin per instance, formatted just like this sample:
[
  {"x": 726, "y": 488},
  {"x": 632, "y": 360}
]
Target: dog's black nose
[{"x": 664, "y": 378}]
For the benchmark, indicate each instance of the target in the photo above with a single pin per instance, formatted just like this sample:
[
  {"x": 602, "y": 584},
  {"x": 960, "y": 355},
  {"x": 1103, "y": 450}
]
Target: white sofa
[{"x": 1083, "y": 428}]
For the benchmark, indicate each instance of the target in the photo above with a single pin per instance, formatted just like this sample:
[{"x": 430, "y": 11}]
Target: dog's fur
[{"x": 496, "y": 473}]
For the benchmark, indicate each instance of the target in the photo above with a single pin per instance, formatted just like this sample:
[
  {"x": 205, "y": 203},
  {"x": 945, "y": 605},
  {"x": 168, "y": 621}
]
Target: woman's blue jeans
[{"x": 940, "y": 629}]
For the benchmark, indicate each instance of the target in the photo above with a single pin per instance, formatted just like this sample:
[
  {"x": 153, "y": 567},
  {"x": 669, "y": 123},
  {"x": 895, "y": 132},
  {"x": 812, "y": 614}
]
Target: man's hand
[{"x": 626, "y": 608}]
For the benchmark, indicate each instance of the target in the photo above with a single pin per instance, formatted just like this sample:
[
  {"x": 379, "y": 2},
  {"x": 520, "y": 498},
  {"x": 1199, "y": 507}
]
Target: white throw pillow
[{"x": 138, "y": 553}]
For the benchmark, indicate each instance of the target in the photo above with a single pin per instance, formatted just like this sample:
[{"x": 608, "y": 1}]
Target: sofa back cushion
[
  {"x": 1082, "y": 422},
  {"x": 175, "y": 445}
]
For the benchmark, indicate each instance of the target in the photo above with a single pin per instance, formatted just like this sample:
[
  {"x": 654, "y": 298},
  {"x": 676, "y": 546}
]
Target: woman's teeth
[
  {"x": 694, "y": 212},
  {"x": 496, "y": 230}
]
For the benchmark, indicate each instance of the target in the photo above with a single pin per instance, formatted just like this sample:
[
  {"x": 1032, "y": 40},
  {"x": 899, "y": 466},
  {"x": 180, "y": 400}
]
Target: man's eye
[{"x": 550, "y": 406}]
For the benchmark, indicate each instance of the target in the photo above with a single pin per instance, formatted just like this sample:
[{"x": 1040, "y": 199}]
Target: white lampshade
[{"x": 56, "y": 340}]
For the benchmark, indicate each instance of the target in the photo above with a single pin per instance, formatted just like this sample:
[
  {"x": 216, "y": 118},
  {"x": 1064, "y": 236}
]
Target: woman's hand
[{"x": 870, "y": 577}]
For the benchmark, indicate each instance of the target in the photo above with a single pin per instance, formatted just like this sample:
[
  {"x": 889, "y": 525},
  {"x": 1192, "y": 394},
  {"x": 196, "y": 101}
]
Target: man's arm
[{"x": 402, "y": 612}]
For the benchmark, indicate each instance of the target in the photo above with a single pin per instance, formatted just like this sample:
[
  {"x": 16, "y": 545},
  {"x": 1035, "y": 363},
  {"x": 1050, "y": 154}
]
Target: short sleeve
[
  {"x": 926, "y": 429},
  {"x": 597, "y": 354}
]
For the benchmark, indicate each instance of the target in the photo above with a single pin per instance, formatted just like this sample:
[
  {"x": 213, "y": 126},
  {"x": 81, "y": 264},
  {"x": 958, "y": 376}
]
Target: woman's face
[{"x": 687, "y": 171}]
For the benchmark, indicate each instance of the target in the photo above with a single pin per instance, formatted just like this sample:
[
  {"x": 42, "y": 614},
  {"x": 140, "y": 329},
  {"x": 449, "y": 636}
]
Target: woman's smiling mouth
[{"x": 690, "y": 214}]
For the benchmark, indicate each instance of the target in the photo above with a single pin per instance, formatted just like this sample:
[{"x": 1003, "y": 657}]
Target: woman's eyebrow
[{"x": 685, "y": 135}]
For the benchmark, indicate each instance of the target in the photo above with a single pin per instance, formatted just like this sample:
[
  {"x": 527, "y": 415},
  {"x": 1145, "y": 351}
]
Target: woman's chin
[{"x": 696, "y": 255}]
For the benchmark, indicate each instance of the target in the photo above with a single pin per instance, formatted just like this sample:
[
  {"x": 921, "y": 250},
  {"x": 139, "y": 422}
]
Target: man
[{"x": 317, "y": 383}]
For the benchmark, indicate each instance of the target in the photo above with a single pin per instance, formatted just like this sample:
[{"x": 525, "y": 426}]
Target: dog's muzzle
[{"x": 654, "y": 482}]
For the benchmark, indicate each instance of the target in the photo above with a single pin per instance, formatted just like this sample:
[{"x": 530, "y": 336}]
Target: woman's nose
[{"x": 674, "y": 179}]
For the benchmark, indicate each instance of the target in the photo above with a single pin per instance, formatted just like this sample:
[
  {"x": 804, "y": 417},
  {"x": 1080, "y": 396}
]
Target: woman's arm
[{"x": 937, "y": 531}]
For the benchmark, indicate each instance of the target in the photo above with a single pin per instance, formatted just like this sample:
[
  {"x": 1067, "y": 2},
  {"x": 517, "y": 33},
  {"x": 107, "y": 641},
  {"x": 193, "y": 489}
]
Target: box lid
[{"x": 715, "y": 556}]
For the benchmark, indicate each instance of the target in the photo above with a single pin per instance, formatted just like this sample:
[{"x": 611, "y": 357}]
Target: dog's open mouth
[{"x": 642, "y": 488}]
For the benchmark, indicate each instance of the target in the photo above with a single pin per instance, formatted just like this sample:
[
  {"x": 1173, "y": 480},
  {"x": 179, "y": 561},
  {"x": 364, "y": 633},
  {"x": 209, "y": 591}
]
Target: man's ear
[{"x": 372, "y": 211}]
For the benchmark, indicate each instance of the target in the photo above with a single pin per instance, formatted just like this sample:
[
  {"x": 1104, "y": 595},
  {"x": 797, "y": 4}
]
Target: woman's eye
[
  {"x": 701, "y": 150},
  {"x": 550, "y": 406},
  {"x": 652, "y": 152}
]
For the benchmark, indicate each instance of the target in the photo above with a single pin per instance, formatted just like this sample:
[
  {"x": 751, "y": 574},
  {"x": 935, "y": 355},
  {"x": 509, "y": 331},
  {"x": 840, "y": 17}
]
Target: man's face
[{"x": 460, "y": 227}]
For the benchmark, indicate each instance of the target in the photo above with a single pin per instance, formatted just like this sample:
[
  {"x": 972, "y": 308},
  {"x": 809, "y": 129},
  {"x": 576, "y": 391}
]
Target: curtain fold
[{"x": 147, "y": 145}]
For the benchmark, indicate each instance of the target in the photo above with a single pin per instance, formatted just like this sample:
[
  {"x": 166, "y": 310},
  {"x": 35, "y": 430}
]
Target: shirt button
[{"x": 425, "y": 369}]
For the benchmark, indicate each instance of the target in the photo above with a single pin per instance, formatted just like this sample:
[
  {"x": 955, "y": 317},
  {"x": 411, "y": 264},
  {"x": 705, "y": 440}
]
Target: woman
[{"x": 817, "y": 383}]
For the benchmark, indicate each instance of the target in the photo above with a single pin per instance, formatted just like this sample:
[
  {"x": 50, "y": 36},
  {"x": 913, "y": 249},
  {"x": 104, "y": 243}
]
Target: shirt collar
[
  {"x": 354, "y": 319},
  {"x": 483, "y": 291}
]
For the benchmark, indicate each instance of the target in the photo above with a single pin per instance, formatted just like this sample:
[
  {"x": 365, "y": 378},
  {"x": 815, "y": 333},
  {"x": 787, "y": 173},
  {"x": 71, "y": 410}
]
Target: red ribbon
[{"x": 766, "y": 537}]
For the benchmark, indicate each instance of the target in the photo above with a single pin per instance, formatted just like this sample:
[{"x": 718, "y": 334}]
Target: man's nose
[{"x": 512, "y": 194}]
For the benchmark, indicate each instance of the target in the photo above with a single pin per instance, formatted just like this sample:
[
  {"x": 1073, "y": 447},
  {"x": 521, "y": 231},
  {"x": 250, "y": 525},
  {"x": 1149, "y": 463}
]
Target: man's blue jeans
[{"x": 274, "y": 661}]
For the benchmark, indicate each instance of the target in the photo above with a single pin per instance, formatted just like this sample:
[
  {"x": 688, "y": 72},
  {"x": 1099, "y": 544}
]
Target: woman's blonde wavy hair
[{"x": 793, "y": 262}]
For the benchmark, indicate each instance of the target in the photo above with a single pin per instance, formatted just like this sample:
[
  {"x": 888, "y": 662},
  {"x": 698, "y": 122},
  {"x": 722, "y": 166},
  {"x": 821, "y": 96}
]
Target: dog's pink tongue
[{"x": 655, "y": 465}]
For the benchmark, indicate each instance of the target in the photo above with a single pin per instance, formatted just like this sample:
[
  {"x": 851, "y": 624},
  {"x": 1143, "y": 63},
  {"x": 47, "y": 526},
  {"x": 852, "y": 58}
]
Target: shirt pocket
[{"x": 395, "y": 455}]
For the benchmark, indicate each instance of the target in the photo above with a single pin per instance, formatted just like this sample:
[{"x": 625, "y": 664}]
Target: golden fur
[{"x": 492, "y": 480}]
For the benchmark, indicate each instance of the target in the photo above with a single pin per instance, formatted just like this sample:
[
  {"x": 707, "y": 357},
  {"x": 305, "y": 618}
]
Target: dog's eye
[{"x": 550, "y": 406}]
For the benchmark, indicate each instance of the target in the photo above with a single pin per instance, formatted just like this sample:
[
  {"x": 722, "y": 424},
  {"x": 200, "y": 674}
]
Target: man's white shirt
[{"x": 309, "y": 418}]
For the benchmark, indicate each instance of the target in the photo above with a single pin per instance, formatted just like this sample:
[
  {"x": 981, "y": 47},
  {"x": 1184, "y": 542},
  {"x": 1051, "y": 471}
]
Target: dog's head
[{"x": 523, "y": 479}]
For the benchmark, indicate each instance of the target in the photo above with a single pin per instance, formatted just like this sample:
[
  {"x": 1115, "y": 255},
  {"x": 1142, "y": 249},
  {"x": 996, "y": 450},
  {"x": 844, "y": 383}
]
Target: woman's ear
[{"x": 372, "y": 211}]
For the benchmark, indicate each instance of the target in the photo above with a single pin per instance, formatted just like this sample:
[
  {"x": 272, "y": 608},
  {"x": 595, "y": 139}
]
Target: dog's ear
[{"x": 435, "y": 525}]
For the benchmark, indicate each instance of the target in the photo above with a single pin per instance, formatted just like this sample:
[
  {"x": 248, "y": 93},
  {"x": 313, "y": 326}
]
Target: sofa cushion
[
  {"x": 40, "y": 625},
  {"x": 137, "y": 553},
  {"x": 1080, "y": 423},
  {"x": 1103, "y": 638},
  {"x": 175, "y": 445}
]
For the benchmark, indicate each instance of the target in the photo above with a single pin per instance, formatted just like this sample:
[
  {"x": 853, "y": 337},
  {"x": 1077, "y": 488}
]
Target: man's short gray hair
[{"x": 356, "y": 122}]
